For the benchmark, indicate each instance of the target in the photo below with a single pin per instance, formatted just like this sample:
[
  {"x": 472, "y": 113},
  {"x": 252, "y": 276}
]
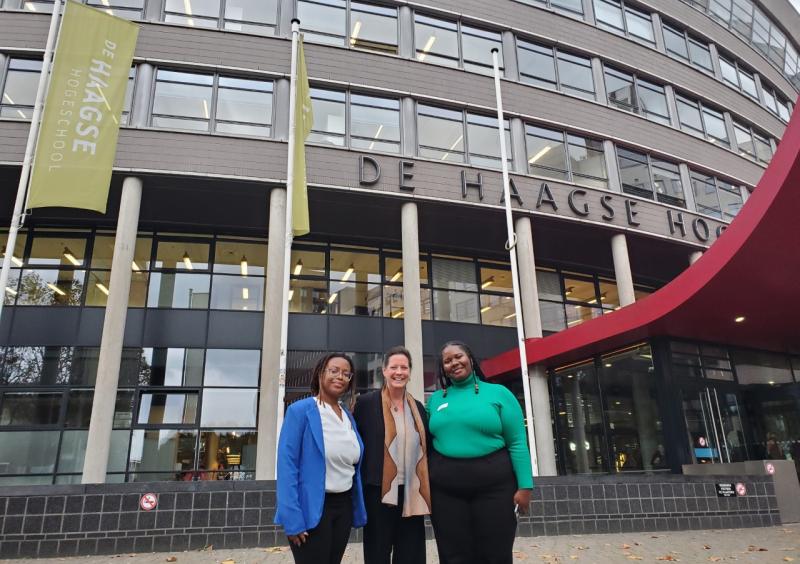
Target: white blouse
[{"x": 342, "y": 451}]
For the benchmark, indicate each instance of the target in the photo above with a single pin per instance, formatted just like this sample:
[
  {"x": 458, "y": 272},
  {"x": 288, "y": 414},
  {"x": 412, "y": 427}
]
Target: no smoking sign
[{"x": 148, "y": 501}]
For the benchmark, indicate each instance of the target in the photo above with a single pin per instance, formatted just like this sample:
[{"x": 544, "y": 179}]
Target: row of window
[
  {"x": 439, "y": 41},
  {"x": 747, "y": 20},
  {"x": 56, "y": 268}
]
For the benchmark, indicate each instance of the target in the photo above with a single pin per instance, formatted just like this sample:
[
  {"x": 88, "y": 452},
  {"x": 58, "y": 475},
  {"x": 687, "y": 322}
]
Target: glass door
[{"x": 714, "y": 425}]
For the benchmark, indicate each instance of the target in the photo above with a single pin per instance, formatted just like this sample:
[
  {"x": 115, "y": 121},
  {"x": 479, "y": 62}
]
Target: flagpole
[
  {"x": 512, "y": 252},
  {"x": 287, "y": 252},
  {"x": 17, "y": 217}
]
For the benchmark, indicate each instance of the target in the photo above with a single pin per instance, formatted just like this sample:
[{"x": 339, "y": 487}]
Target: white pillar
[
  {"x": 695, "y": 256},
  {"x": 537, "y": 375},
  {"x": 98, "y": 442},
  {"x": 622, "y": 269},
  {"x": 271, "y": 341},
  {"x": 412, "y": 300}
]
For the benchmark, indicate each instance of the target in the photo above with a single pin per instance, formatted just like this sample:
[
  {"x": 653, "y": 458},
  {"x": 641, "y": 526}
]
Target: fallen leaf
[
  {"x": 714, "y": 558},
  {"x": 706, "y": 547},
  {"x": 788, "y": 559},
  {"x": 625, "y": 546},
  {"x": 573, "y": 556},
  {"x": 274, "y": 549},
  {"x": 228, "y": 561},
  {"x": 634, "y": 557},
  {"x": 668, "y": 557},
  {"x": 582, "y": 547},
  {"x": 172, "y": 558},
  {"x": 208, "y": 547},
  {"x": 654, "y": 536},
  {"x": 520, "y": 555}
]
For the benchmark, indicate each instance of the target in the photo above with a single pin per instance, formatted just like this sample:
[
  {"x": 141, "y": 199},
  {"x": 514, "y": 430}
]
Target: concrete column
[
  {"x": 140, "y": 106},
  {"x": 673, "y": 106},
  {"x": 98, "y": 442},
  {"x": 599, "y": 81},
  {"x": 686, "y": 182},
  {"x": 271, "y": 341},
  {"x": 518, "y": 148},
  {"x": 281, "y": 102},
  {"x": 405, "y": 47},
  {"x": 658, "y": 31},
  {"x": 712, "y": 50},
  {"x": 537, "y": 375},
  {"x": 412, "y": 300},
  {"x": 285, "y": 16},
  {"x": 511, "y": 71},
  {"x": 610, "y": 152},
  {"x": 408, "y": 117},
  {"x": 588, "y": 11},
  {"x": 694, "y": 256},
  {"x": 622, "y": 269},
  {"x": 731, "y": 131}
]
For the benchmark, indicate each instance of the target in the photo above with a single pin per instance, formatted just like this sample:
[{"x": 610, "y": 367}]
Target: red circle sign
[
  {"x": 770, "y": 468},
  {"x": 741, "y": 489},
  {"x": 148, "y": 501}
]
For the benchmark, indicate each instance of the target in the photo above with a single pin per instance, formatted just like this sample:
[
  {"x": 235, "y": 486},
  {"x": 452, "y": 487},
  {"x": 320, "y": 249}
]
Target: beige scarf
[{"x": 416, "y": 493}]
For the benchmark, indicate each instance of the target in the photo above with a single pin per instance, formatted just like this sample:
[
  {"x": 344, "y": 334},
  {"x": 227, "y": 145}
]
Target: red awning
[{"x": 751, "y": 271}]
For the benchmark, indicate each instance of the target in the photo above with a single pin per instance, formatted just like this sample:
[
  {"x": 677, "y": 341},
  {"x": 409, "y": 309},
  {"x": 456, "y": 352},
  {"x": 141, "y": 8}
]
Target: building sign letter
[
  {"x": 546, "y": 197},
  {"x": 471, "y": 184},
  {"x": 376, "y": 172},
  {"x": 582, "y": 210},
  {"x": 405, "y": 175}
]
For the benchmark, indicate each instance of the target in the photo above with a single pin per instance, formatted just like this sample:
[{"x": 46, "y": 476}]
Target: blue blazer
[{"x": 301, "y": 470}]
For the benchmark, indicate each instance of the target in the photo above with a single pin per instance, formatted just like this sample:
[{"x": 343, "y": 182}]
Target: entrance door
[{"x": 714, "y": 425}]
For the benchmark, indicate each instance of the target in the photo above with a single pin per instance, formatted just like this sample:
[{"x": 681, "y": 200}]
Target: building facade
[{"x": 637, "y": 131}]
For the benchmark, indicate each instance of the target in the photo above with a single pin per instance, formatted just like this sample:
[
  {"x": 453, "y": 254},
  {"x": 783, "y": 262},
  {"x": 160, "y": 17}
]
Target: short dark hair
[
  {"x": 322, "y": 363},
  {"x": 399, "y": 349},
  {"x": 444, "y": 381}
]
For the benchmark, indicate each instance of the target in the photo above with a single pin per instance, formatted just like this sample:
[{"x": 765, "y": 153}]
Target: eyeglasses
[{"x": 337, "y": 372}]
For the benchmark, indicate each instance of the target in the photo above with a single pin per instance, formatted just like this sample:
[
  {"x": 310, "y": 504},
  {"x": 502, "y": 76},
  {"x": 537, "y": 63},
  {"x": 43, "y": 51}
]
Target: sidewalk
[{"x": 767, "y": 545}]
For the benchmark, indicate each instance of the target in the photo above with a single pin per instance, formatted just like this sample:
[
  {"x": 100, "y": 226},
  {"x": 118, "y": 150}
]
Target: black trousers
[
  {"x": 388, "y": 536},
  {"x": 473, "y": 508},
  {"x": 326, "y": 542}
]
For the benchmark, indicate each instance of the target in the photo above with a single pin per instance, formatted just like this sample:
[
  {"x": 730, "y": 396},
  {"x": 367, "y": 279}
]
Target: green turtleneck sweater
[{"x": 468, "y": 425}]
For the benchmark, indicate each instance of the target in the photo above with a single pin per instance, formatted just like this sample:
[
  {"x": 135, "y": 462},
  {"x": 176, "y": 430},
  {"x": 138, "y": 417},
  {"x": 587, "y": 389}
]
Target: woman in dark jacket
[{"x": 393, "y": 426}]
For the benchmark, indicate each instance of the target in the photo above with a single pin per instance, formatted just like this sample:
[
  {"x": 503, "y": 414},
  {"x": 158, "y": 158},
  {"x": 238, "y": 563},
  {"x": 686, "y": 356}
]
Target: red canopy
[{"x": 751, "y": 271}]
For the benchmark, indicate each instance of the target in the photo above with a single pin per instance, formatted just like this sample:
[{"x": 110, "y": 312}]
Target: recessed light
[{"x": 739, "y": 319}]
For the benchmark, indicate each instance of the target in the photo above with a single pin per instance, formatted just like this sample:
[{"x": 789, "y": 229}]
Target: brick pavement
[{"x": 760, "y": 545}]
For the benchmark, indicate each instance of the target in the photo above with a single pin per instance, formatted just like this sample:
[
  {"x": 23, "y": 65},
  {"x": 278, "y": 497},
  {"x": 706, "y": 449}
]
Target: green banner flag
[
  {"x": 80, "y": 124},
  {"x": 303, "y": 120}
]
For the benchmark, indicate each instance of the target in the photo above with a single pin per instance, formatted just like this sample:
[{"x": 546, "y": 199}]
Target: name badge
[{"x": 441, "y": 407}]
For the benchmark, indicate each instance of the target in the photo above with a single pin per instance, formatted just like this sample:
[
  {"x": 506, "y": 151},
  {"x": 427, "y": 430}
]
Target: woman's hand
[
  {"x": 301, "y": 538},
  {"x": 523, "y": 499}
]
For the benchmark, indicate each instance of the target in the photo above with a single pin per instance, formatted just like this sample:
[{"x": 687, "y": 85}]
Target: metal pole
[
  {"x": 18, "y": 217},
  {"x": 511, "y": 246},
  {"x": 287, "y": 253}
]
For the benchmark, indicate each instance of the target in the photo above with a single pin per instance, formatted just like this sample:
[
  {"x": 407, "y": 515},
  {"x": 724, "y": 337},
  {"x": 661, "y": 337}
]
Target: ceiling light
[
  {"x": 135, "y": 267},
  {"x": 397, "y": 314},
  {"x": 70, "y": 257},
  {"x": 11, "y": 291},
  {"x": 291, "y": 294},
  {"x": 617, "y": 403},
  {"x": 56, "y": 289},
  {"x": 427, "y": 48},
  {"x": 484, "y": 309},
  {"x": 569, "y": 290},
  {"x": 453, "y": 146},
  {"x": 102, "y": 288},
  {"x": 608, "y": 365},
  {"x": 771, "y": 382},
  {"x": 510, "y": 315},
  {"x": 380, "y": 128},
  {"x": 245, "y": 293},
  {"x": 739, "y": 319},
  {"x": 324, "y": 311},
  {"x": 243, "y": 265},
  {"x": 7, "y": 97},
  {"x": 348, "y": 273},
  {"x": 397, "y": 275},
  {"x": 187, "y": 262},
  {"x": 539, "y": 155},
  {"x": 354, "y": 35},
  {"x": 205, "y": 109},
  {"x": 333, "y": 297},
  {"x": 15, "y": 260},
  {"x": 488, "y": 282},
  {"x": 298, "y": 268}
]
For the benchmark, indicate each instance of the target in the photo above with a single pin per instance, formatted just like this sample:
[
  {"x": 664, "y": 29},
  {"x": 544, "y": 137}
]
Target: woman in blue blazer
[{"x": 319, "y": 468}]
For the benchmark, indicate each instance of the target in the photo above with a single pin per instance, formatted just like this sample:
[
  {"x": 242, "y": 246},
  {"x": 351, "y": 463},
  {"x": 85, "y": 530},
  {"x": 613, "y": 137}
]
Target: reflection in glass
[
  {"x": 36, "y": 365},
  {"x": 30, "y": 408},
  {"x": 239, "y": 257},
  {"x": 373, "y": 28},
  {"x": 50, "y": 287},
  {"x": 440, "y": 133},
  {"x": 58, "y": 251},
  {"x": 498, "y": 310},
  {"x": 436, "y": 41},
  {"x": 182, "y": 255},
  {"x": 165, "y": 450},
  {"x": 178, "y": 290},
  {"x": 323, "y": 21},
  {"x": 394, "y": 307},
  {"x": 251, "y": 16},
  {"x": 171, "y": 367},
  {"x": 167, "y": 408},
  {"x": 374, "y": 123},
  {"x": 308, "y": 296},
  {"x": 547, "y": 155},
  {"x": 460, "y": 307},
  {"x": 28, "y": 452},
  {"x": 351, "y": 298},
  {"x": 229, "y": 408},
  {"x": 238, "y": 293},
  {"x": 329, "y": 117},
  {"x": 19, "y": 92},
  {"x": 228, "y": 455},
  {"x": 183, "y": 100},
  {"x": 232, "y": 367}
]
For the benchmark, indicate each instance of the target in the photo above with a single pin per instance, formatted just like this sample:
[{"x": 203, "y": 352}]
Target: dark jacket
[{"x": 368, "y": 414}]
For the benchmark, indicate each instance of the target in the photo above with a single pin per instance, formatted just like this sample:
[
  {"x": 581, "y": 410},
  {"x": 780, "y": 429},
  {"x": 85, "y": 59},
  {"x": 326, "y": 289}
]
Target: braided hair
[
  {"x": 444, "y": 380},
  {"x": 322, "y": 363}
]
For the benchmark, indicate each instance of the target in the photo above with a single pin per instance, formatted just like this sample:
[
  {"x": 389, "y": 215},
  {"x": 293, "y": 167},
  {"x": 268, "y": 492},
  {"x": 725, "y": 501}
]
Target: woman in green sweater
[{"x": 480, "y": 466}]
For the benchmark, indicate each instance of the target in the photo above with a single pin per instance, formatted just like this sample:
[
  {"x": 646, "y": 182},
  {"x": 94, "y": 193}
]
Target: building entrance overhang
[{"x": 741, "y": 292}]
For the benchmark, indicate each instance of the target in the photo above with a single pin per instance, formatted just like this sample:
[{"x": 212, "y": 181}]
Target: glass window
[
  {"x": 755, "y": 367},
  {"x": 454, "y": 274},
  {"x": 182, "y": 100},
  {"x": 689, "y": 116},
  {"x": 440, "y": 133},
  {"x": 329, "y": 121},
  {"x": 632, "y": 414},
  {"x": 200, "y": 13},
  {"x": 498, "y": 310},
  {"x": 459, "y": 307},
  {"x": 575, "y": 75},
  {"x": 675, "y": 42},
  {"x": 244, "y": 107},
  {"x": 579, "y": 420},
  {"x": 700, "y": 55},
  {"x": 308, "y": 296},
  {"x": 763, "y": 148},
  {"x": 374, "y": 123},
  {"x": 228, "y": 455},
  {"x": 730, "y": 199},
  {"x": 30, "y": 408},
  {"x": 484, "y": 141},
  {"x": 164, "y": 450},
  {"x": 308, "y": 263},
  {"x": 171, "y": 367},
  {"x": 652, "y": 101},
  {"x": 633, "y": 94},
  {"x": 229, "y": 408},
  {"x": 165, "y": 408},
  {"x": 50, "y": 287},
  {"x": 128, "y": 9},
  {"x": 354, "y": 266},
  {"x": 182, "y": 255},
  {"x": 240, "y": 293},
  {"x": 639, "y": 24},
  {"x": 621, "y": 91},
  {"x": 705, "y": 194},
  {"x": 179, "y": 290},
  {"x": 587, "y": 161},
  {"x": 547, "y": 155},
  {"x": 536, "y": 64},
  {"x": 323, "y": 21},
  {"x": 373, "y": 27},
  {"x": 251, "y": 16},
  {"x": 351, "y": 298},
  {"x": 476, "y": 47},
  {"x": 715, "y": 125},
  {"x": 239, "y": 257},
  {"x": 667, "y": 182},
  {"x": 23, "y": 366},
  {"x": 634, "y": 173},
  {"x": 232, "y": 367},
  {"x": 19, "y": 90},
  {"x": 28, "y": 452},
  {"x": 65, "y": 251},
  {"x": 608, "y": 14},
  {"x": 436, "y": 41},
  {"x": 744, "y": 140}
]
